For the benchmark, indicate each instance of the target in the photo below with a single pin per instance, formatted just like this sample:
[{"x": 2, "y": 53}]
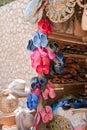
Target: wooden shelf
[
  {"x": 66, "y": 38},
  {"x": 75, "y": 55},
  {"x": 69, "y": 39},
  {"x": 68, "y": 84},
  {"x": 7, "y": 119}
]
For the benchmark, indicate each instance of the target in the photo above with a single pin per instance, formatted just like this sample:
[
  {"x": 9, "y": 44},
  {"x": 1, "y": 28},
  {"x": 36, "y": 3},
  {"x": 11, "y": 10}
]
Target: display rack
[
  {"x": 71, "y": 40},
  {"x": 61, "y": 88}
]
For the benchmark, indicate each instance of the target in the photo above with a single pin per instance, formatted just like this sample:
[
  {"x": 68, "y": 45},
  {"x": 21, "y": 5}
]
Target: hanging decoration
[
  {"x": 59, "y": 11},
  {"x": 46, "y": 56},
  {"x": 34, "y": 10},
  {"x": 84, "y": 15},
  {"x": 43, "y": 53}
]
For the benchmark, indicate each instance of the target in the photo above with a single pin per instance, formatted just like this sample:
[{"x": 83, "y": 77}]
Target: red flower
[{"x": 45, "y": 26}]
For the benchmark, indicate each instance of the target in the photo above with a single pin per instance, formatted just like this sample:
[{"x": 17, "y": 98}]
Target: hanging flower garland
[{"x": 43, "y": 54}]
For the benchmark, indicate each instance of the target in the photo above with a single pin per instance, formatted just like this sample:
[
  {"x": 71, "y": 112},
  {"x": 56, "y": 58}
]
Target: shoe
[
  {"x": 44, "y": 116},
  {"x": 32, "y": 8},
  {"x": 49, "y": 112},
  {"x": 34, "y": 82},
  {"x": 30, "y": 46},
  {"x": 45, "y": 94},
  {"x": 37, "y": 91},
  {"x": 42, "y": 81},
  {"x": 45, "y": 26},
  {"x": 43, "y": 39},
  {"x": 52, "y": 93},
  {"x": 39, "y": 39},
  {"x": 32, "y": 101},
  {"x": 54, "y": 46},
  {"x": 61, "y": 59}
]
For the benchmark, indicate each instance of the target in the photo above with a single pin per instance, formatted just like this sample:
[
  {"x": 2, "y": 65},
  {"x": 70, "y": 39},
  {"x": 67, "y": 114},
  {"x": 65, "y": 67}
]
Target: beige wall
[{"x": 14, "y": 35}]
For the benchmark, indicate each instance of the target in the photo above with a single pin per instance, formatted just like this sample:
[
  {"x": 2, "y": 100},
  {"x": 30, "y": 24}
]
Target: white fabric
[{"x": 77, "y": 119}]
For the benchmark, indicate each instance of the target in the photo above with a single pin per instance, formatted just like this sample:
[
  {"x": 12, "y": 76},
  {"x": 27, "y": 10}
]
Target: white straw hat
[{"x": 19, "y": 87}]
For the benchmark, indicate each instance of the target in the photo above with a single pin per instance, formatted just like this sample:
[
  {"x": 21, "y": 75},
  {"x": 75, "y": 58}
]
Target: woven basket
[
  {"x": 7, "y": 120},
  {"x": 8, "y": 103},
  {"x": 9, "y": 128},
  {"x": 59, "y": 123}
]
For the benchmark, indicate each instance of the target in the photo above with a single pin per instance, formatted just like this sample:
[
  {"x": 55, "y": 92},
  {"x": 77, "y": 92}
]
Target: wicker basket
[
  {"x": 8, "y": 103},
  {"x": 14, "y": 127},
  {"x": 8, "y": 120}
]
